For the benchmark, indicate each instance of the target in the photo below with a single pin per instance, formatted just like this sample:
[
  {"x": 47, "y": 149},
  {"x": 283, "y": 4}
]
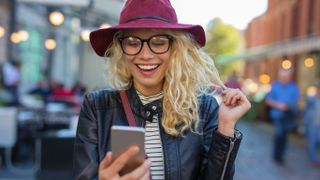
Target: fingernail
[{"x": 135, "y": 148}]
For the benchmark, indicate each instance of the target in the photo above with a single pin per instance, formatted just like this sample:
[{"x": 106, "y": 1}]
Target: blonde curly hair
[{"x": 191, "y": 73}]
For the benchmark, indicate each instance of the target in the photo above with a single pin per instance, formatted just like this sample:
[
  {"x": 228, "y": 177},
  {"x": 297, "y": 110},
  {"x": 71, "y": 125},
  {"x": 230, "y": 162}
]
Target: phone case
[{"x": 122, "y": 137}]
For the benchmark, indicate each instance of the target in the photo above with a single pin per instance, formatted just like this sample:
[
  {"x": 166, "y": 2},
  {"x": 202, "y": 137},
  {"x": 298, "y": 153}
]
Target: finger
[
  {"x": 140, "y": 172},
  {"x": 107, "y": 160},
  {"x": 244, "y": 102},
  {"x": 218, "y": 90},
  {"x": 225, "y": 91},
  {"x": 146, "y": 176},
  {"x": 119, "y": 163},
  {"x": 229, "y": 95},
  {"x": 103, "y": 167},
  {"x": 235, "y": 100},
  {"x": 225, "y": 94}
]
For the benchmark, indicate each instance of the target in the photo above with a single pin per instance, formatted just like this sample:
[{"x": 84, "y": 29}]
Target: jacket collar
[{"x": 147, "y": 111}]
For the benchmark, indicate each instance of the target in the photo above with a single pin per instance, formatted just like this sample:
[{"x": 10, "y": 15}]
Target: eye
[
  {"x": 159, "y": 40},
  {"x": 132, "y": 42}
]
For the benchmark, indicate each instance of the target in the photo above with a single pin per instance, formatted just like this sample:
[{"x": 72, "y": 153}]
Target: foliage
[{"x": 224, "y": 40}]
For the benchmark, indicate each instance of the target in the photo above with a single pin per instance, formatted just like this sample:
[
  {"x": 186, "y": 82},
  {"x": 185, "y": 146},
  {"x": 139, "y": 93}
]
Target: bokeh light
[
  {"x": 105, "y": 25},
  {"x": 2, "y": 31},
  {"x": 309, "y": 62},
  {"x": 50, "y": 44},
  {"x": 15, "y": 38},
  {"x": 56, "y": 18},
  {"x": 264, "y": 78},
  {"x": 85, "y": 35},
  {"x": 286, "y": 64}
]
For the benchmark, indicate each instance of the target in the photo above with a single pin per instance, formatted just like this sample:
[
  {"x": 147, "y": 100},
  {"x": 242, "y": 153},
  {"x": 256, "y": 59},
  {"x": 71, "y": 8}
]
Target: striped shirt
[{"x": 153, "y": 145}]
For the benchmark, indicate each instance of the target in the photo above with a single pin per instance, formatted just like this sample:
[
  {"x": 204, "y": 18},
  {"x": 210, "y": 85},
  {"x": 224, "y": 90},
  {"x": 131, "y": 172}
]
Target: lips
[{"x": 147, "y": 67}]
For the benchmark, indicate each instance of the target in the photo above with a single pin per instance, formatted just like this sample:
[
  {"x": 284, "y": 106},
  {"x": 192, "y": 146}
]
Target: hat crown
[{"x": 159, "y": 9}]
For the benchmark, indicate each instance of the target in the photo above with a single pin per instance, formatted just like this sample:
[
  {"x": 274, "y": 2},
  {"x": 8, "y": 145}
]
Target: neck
[{"x": 148, "y": 91}]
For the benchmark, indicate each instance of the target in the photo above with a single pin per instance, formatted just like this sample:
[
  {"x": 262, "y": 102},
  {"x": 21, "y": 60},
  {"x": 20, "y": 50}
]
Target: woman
[{"x": 168, "y": 81}]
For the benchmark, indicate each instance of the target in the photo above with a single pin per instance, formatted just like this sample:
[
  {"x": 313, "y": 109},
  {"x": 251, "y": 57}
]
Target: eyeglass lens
[{"x": 158, "y": 44}]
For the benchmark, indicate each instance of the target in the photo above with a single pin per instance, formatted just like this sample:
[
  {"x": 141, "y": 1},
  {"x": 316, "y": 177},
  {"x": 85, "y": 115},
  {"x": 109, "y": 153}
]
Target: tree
[{"x": 224, "y": 40}]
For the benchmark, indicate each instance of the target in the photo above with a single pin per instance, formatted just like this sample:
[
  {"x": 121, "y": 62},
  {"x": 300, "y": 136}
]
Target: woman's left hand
[{"x": 234, "y": 105}]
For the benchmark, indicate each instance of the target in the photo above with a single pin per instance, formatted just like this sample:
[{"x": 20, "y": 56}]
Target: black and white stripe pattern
[{"x": 153, "y": 145}]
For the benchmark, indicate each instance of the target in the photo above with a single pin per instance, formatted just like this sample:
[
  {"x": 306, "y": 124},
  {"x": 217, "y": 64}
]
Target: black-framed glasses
[{"x": 158, "y": 44}]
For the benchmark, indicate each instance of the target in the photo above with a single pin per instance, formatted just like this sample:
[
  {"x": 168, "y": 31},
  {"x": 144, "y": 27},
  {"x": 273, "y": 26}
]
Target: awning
[{"x": 285, "y": 48}]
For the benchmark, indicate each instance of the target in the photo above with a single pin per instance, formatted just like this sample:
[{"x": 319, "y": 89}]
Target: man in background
[{"x": 283, "y": 101}]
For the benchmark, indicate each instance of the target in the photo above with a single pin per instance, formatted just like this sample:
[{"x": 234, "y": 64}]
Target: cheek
[
  {"x": 129, "y": 58},
  {"x": 167, "y": 61}
]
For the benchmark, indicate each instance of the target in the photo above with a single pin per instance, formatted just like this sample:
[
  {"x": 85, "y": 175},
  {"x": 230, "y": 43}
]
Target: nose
[{"x": 145, "y": 52}]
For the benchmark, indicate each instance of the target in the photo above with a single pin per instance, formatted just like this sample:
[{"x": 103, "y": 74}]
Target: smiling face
[{"x": 147, "y": 68}]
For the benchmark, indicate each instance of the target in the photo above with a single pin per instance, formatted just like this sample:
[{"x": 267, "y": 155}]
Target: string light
[
  {"x": 286, "y": 64},
  {"x": 309, "y": 62},
  {"x": 264, "y": 78}
]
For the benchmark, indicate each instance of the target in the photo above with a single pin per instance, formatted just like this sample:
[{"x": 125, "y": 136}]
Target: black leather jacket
[{"x": 206, "y": 155}]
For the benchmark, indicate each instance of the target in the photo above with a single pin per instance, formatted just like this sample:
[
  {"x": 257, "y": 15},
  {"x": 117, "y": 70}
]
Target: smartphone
[{"x": 122, "y": 137}]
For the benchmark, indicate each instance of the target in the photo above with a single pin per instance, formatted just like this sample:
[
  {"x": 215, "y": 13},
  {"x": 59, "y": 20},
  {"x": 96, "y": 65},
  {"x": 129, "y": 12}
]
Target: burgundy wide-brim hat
[{"x": 144, "y": 14}]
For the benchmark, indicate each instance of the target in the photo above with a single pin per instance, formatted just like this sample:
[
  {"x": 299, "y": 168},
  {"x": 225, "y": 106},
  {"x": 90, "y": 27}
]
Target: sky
[{"x": 235, "y": 12}]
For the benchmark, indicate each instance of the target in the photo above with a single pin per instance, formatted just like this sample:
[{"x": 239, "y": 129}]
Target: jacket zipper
[{"x": 228, "y": 157}]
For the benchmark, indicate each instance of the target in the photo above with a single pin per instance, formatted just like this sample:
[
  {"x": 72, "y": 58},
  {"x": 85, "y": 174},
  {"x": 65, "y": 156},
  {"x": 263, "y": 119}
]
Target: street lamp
[{"x": 56, "y": 18}]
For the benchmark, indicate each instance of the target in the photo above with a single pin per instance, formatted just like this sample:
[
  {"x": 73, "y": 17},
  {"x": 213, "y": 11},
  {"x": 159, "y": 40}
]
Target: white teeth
[{"x": 147, "y": 67}]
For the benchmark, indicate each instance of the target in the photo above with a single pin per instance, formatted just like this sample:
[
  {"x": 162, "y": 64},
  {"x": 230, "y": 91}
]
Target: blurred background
[{"x": 47, "y": 65}]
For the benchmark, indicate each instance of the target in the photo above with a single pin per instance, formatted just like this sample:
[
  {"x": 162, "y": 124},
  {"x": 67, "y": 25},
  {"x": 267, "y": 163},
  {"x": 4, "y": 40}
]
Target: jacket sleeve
[
  {"x": 220, "y": 151},
  {"x": 85, "y": 163}
]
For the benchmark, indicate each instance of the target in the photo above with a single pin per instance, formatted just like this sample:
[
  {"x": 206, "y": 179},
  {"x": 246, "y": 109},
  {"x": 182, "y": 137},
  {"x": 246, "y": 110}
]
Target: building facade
[
  {"x": 286, "y": 36},
  {"x": 4, "y": 25},
  {"x": 72, "y": 59}
]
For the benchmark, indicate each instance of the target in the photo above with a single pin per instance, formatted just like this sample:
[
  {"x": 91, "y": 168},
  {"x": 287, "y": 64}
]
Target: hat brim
[{"x": 101, "y": 39}]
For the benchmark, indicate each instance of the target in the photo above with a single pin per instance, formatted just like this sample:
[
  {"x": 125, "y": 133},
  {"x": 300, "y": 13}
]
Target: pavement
[{"x": 253, "y": 161}]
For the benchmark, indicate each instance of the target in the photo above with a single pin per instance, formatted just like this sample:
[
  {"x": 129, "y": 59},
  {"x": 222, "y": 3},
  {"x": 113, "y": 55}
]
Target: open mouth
[{"x": 148, "y": 67}]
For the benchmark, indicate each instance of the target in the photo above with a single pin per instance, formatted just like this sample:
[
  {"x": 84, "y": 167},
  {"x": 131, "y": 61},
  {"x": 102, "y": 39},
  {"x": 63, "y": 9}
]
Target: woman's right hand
[{"x": 109, "y": 169}]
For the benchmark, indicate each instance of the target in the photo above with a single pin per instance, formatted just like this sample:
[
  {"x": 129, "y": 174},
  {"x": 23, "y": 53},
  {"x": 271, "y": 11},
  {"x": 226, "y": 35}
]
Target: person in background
[
  {"x": 157, "y": 62},
  {"x": 79, "y": 90},
  {"x": 283, "y": 101},
  {"x": 11, "y": 78},
  {"x": 312, "y": 124},
  {"x": 62, "y": 94},
  {"x": 42, "y": 90}
]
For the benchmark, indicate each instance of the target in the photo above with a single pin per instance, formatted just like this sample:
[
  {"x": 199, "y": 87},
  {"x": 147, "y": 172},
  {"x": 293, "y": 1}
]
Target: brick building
[{"x": 288, "y": 30}]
